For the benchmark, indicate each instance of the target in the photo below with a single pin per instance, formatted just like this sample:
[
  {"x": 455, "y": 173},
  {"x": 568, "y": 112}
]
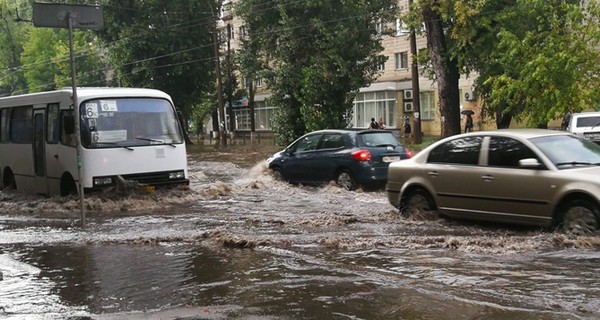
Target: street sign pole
[
  {"x": 77, "y": 117},
  {"x": 55, "y": 15}
]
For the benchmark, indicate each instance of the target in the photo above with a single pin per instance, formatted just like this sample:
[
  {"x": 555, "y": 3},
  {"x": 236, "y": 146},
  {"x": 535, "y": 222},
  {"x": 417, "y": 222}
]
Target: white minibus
[{"x": 127, "y": 134}]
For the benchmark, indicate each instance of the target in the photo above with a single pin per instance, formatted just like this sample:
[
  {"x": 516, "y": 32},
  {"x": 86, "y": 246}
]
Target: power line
[{"x": 183, "y": 25}]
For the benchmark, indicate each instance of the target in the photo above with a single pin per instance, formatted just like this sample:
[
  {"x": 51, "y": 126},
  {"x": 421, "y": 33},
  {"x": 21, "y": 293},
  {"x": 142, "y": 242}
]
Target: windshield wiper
[
  {"x": 597, "y": 124},
  {"x": 156, "y": 140},
  {"x": 577, "y": 163},
  {"x": 115, "y": 144}
]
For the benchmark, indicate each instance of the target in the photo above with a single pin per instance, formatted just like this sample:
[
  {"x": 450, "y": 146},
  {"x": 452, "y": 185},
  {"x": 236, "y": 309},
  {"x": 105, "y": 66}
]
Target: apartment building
[{"x": 389, "y": 98}]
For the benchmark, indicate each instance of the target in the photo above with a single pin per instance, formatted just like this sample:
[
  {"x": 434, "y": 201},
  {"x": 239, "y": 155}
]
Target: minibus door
[{"x": 39, "y": 151}]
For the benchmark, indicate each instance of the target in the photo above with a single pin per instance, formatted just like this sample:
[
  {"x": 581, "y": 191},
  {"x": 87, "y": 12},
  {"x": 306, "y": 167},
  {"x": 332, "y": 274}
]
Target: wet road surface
[{"x": 241, "y": 245}]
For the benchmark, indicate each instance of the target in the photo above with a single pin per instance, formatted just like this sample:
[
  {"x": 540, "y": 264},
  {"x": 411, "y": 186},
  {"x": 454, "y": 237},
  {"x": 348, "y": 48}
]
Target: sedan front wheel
[
  {"x": 417, "y": 204},
  {"x": 580, "y": 217}
]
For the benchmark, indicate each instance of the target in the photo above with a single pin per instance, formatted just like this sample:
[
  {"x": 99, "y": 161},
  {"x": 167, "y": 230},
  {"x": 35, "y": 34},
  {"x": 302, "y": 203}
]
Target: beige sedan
[{"x": 524, "y": 176}]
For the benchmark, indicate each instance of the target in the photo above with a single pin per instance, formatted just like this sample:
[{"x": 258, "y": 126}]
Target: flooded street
[{"x": 240, "y": 245}]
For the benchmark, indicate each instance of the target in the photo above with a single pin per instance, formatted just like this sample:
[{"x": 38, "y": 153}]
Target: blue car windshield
[
  {"x": 568, "y": 151},
  {"x": 128, "y": 122}
]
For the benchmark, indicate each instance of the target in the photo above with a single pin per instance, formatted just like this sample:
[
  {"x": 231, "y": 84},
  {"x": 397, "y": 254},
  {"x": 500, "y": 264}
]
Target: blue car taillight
[{"x": 361, "y": 155}]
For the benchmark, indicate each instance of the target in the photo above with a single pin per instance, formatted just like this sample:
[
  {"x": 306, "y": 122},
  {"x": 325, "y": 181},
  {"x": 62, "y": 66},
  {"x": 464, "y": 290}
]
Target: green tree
[
  {"x": 537, "y": 59},
  {"x": 37, "y": 57},
  {"x": 47, "y": 64},
  {"x": 316, "y": 55},
  {"x": 89, "y": 60},
  {"x": 163, "y": 44},
  {"x": 12, "y": 37}
]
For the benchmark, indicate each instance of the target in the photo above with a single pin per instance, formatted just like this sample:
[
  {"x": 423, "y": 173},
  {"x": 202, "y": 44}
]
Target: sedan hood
[{"x": 591, "y": 173}]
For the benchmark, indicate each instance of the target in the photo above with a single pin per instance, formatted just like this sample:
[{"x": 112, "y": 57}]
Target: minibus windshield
[{"x": 128, "y": 122}]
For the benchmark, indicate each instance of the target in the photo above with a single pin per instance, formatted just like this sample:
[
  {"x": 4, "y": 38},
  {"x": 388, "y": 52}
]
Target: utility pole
[
  {"x": 230, "y": 80},
  {"x": 418, "y": 138},
  {"x": 219, "y": 85},
  {"x": 250, "y": 85}
]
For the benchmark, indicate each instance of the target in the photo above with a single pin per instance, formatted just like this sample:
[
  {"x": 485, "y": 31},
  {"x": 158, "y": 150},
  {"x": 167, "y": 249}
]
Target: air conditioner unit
[
  {"x": 408, "y": 107},
  {"x": 408, "y": 94},
  {"x": 470, "y": 96}
]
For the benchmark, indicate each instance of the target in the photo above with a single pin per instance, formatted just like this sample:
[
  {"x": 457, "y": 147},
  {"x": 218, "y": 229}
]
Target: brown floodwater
[{"x": 240, "y": 245}]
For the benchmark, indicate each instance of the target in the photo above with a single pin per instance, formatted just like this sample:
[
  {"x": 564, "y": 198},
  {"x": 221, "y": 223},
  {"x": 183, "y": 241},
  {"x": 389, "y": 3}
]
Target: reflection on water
[
  {"x": 26, "y": 294},
  {"x": 115, "y": 281},
  {"x": 239, "y": 244}
]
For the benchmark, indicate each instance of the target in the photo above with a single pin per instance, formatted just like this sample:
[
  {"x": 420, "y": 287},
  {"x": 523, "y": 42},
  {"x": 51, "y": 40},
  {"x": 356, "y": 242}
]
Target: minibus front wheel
[{"x": 67, "y": 185}]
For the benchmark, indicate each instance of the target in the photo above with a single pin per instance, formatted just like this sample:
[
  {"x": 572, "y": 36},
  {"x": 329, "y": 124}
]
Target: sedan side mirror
[{"x": 529, "y": 163}]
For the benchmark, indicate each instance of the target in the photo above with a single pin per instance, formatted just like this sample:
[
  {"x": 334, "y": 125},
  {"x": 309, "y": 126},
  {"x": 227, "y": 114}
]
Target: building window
[
  {"x": 427, "y": 105},
  {"x": 401, "y": 28},
  {"x": 379, "y": 28},
  {"x": 380, "y": 63},
  {"x": 242, "y": 31},
  {"x": 257, "y": 82},
  {"x": 401, "y": 60},
  {"x": 263, "y": 116},
  {"x": 380, "y": 105}
]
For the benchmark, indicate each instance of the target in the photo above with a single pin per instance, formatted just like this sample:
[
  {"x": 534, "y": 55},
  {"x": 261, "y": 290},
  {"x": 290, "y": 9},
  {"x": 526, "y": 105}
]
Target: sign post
[{"x": 55, "y": 15}]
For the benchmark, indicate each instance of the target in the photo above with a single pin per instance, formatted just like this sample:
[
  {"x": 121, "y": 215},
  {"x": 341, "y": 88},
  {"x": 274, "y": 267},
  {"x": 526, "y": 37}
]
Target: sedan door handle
[
  {"x": 433, "y": 174},
  {"x": 487, "y": 178}
]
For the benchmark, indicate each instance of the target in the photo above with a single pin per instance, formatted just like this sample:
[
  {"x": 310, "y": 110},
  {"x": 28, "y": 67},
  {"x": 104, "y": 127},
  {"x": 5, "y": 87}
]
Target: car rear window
[
  {"x": 378, "y": 139},
  {"x": 588, "y": 121}
]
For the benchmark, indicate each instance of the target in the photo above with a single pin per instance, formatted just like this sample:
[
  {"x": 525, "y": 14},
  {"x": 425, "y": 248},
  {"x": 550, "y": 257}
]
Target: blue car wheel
[{"x": 345, "y": 180}]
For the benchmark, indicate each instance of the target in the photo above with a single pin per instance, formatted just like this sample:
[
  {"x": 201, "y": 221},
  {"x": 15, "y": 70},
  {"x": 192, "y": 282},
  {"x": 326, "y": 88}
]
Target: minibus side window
[
  {"x": 4, "y": 118},
  {"x": 21, "y": 125},
  {"x": 67, "y": 131}
]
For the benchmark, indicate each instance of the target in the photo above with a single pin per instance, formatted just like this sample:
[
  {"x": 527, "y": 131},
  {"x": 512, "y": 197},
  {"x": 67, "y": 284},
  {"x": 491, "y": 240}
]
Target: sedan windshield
[
  {"x": 567, "y": 151},
  {"x": 128, "y": 122}
]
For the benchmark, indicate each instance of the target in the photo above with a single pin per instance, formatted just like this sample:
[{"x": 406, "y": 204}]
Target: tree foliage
[
  {"x": 12, "y": 38},
  {"x": 38, "y": 59},
  {"x": 47, "y": 64},
  {"x": 315, "y": 55},
  {"x": 537, "y": 59},
  {"x": 163, "y": 44}
]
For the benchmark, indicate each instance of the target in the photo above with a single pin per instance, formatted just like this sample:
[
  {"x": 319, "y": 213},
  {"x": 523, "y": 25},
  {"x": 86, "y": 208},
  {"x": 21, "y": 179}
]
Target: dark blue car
[{"x": 350, "y": 157}]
